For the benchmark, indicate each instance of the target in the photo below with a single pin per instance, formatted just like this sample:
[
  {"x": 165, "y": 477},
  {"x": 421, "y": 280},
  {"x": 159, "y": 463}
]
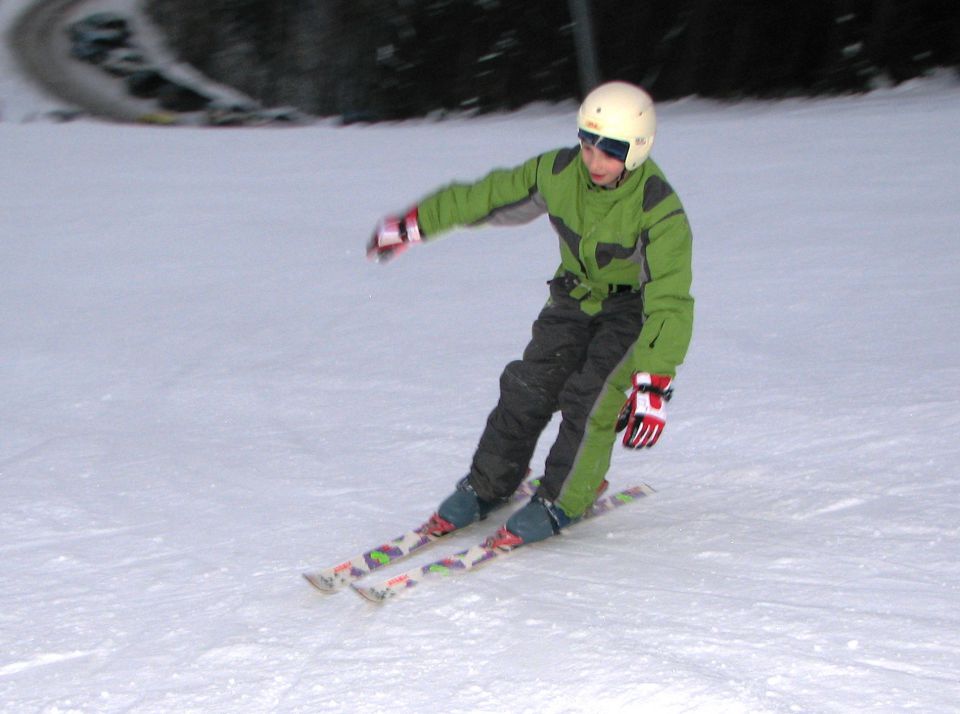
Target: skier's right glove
[{"x": 394, "y": 235}]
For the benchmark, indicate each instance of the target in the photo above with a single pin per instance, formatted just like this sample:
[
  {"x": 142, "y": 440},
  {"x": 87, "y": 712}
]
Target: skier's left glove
[
  {"x": 393, "y": 235},
  {"x": 644, "y": 415}
]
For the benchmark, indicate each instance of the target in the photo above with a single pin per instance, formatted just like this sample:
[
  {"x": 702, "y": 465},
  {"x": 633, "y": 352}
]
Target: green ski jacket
[{"x": 634, "y": 237}]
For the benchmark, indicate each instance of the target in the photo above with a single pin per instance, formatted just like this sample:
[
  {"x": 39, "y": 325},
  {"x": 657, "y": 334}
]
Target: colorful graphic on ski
[
  {"x": 332, "y": 579},
  {"x": 478, "y": 554}
]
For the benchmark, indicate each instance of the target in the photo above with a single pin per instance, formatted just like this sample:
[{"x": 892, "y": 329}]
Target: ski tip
[
  {"x": 371, "y": 594},
  {"x": 324, "y": 585}
]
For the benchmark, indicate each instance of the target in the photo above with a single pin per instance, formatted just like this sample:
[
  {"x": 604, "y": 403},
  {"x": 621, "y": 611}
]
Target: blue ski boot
[
  {"x": 461, "y": 508},
  {"x": 538, "y": 520}
]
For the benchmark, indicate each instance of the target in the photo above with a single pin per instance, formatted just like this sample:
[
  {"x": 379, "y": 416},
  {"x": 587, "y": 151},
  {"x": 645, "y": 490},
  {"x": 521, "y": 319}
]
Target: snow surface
[{"x": 205, "y": 389}]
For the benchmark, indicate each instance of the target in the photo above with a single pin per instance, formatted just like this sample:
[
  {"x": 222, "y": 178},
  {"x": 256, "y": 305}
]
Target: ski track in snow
[{"x": 205, "y": 389}]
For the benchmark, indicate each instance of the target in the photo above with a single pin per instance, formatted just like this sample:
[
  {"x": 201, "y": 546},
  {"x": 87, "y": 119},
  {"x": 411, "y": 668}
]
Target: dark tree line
[{"x": 385, "y": 59}]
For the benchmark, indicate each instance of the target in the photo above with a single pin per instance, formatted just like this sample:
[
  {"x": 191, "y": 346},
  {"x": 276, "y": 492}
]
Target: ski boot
[
  {"x": 538, "y": 520},
  {"x": 461, "y": 508}
]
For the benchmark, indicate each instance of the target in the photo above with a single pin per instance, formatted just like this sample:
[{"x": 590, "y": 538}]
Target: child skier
[{"x": 618, "y": 320}]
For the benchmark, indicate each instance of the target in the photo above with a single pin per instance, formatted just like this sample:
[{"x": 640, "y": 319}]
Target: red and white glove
[
  {"x": 394, "y": 235},
  {"x": 644, "y": 414}
]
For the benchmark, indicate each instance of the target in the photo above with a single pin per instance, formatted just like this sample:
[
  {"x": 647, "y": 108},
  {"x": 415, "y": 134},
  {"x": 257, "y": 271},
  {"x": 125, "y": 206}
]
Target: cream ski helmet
[{"x": 618, "y": 118}]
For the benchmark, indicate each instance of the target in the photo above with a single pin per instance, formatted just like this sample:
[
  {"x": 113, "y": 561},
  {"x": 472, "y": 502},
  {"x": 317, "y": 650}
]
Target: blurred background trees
[{"x": 389, "y": 59}]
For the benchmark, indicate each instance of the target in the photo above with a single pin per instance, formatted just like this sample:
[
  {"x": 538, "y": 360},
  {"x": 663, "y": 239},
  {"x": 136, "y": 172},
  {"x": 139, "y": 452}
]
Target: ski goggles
[{"x": 611, "y": 147}]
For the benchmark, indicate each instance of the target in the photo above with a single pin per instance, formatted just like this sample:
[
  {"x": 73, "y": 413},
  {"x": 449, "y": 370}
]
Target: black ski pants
[{"x": 577, "y": 364}]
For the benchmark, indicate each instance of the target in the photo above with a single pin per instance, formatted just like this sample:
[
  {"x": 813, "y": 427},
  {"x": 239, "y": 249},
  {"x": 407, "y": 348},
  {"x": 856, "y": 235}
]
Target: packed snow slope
[{"x": 205, "y": 389}]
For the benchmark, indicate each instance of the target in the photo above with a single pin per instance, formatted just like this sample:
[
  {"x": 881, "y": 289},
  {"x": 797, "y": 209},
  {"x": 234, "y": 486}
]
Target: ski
[
  {"x": 332, "y": 579},
  {"x": 478, "y": 554}
]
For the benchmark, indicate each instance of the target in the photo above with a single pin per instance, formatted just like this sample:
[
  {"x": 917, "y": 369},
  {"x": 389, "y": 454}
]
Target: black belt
[{"x": 571, "y": 281}]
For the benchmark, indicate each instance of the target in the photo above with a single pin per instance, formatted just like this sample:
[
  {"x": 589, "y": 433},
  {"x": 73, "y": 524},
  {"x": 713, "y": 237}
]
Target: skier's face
[{"x": 605, "y": 170}]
